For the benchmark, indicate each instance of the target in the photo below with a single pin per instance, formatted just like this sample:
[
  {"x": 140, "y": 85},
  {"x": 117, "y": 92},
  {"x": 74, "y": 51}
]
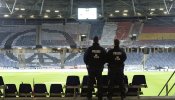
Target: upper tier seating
[
  {"x": 123, "y": 30},
  {"x": 109, "y": 33},
  {"x": 157, "y": 32}
]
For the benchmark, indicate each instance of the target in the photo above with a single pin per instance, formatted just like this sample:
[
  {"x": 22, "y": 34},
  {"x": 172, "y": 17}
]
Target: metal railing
[{"x": 166, "y": 86}]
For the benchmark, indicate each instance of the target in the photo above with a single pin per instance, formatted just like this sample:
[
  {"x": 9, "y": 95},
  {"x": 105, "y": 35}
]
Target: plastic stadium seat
[
  {"x": 72, "y": 86},
  {"x": 40, "y": 90},
  {"x": 117, "y": 91},
  {"x": 1, "y": 81},
  {"x": 56, "y": 90},
  {"x": 84, "y": 86},
  {"x": 105, "y": 81},
  {"x": 138, "y": 82},
  {"x": 2, "y": 86},
  {"x": 25, "y": 90},
  {"x": 11, "y": 90}
]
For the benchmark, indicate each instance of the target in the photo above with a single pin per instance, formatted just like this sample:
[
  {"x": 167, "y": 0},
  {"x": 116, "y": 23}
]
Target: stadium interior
[{"x": 52, "y": 35}]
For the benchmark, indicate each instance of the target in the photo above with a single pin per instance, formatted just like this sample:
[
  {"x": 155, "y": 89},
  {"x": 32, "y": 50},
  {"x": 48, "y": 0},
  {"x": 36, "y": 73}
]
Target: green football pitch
[{"x": 155, "y": 80}]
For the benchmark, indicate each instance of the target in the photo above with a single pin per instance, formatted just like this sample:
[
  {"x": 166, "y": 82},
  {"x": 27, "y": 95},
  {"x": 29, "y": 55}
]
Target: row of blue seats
[{"x": 72, "y": 88}]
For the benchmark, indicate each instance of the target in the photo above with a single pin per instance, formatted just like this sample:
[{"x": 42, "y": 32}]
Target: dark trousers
[
  {"x": 116, "y": 78},
  {"x": 94, "y": 74}
]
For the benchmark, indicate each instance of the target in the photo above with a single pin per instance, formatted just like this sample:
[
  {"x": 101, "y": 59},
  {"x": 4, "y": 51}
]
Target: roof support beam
[
  {"x": 41, "y": 7},
  {"x": 71, "y": 7},
  {"x": 102, "y": 8},
  {"x": 133, "y": 5},
  {"x": 7, "y": 6},
  {"x": 166, "y": 6},
  {"x": 171, "y": 6},
  {"x": 13, "y": 7}
]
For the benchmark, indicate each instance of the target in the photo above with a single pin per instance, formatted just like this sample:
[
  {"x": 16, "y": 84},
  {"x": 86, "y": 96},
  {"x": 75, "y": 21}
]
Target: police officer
[
  {"x": 94, "y": 59},
  {"x": 115, "y": 60}
]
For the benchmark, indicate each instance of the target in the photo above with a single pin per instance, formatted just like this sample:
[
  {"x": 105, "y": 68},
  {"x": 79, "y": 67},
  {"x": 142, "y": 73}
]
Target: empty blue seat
[
  {"x": 56, "y": 90},
  {"x": 25, "y": 90},
  {"x": 40, "y": 90}
]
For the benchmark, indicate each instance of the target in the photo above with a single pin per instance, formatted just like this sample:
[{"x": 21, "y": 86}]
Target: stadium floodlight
[
  {"x": 142, "y": 47},
  {"x": 48, "y": 10},
  {"x": 16, "y": 8},
  {"x": 20, "y": 16},
  {"x": 165, "y": 12},
  {"x": 99, "y": 15},
  {"x": 125, "y": 11},
  {"x": 161, "y": 9},
  {"x": 32, "y": 16},
  {"x": 111, "y": 15},
  {"x": 56, "y": 11},
  {"x": 139, "y": 14},
  {"x": 87, "y": 13},
  {"x": 22, "y": 9},
  {"x": 151, "y": 13},
  {"x": 44, "y": 47},
  {"x": 46, "y": 16},
  {"x": 19, "y": 47},
  {"x": 167, "y": 47},
  {"x": 6, "y": 15},
  {"x": 59, "y": 16},
  {"x": 125, "y": 14},
  {"x": 83, "y": 35},
  {"x": 152, "y": 9},
  {"x": 117, "y": 11}
]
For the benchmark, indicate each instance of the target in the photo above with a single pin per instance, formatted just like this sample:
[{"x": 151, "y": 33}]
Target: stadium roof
[{"x": 68, "y": 8}]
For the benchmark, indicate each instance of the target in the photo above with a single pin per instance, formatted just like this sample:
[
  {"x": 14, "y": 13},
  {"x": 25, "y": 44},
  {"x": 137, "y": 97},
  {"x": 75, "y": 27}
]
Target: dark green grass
[{"x": 155, "y": 80}]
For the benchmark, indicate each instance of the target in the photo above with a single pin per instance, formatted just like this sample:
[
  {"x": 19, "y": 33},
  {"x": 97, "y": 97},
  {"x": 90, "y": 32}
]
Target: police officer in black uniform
[
  {"x": 115, "y": 60},
  {"x": 94, "y": 59}
]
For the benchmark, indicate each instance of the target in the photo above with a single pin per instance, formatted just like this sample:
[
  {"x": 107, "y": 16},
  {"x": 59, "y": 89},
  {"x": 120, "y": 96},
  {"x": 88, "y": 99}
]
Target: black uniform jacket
[{"x": 95, "y": 56}]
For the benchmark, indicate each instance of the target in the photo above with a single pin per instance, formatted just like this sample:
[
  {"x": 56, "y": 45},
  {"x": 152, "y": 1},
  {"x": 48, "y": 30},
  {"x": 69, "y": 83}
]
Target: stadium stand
[
  {"x": 153, "y": 43},
  {"x": 75, "y": 59},
  {"x": 123, "y": 30},
  {"x": 3, "y": 35},
  {"x": 134, "y": 58},
  {"x": 136, "y": 30},
  {"x": 151, "y": 32},
  {"x": 163, "y": 60},
  {"x": 25, "y": 41},
  {"x": 17, "y": 31},
  {"x": 96, "y": 28},
  {"x": 7, "y": 62},
  {"x": 67, "y": 36},
  {"x": 109, "y": 33}
]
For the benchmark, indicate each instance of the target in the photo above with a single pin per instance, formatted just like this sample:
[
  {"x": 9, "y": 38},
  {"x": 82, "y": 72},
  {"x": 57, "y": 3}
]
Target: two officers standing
[{"x": 95, "y": 57}]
